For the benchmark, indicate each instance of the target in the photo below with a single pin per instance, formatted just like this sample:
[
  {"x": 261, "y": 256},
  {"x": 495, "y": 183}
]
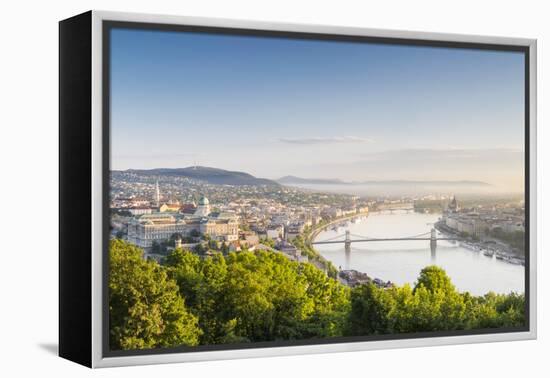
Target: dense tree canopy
[
  {"x": 263, "y": 296},
  {"x": 145, "y": 307},
  {"x": 259, "y": 296},
  {"x": 432, "y": 305}
]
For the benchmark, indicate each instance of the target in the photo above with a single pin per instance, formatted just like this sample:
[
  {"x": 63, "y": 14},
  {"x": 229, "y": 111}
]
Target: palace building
[{"x": 144, "y": 230}]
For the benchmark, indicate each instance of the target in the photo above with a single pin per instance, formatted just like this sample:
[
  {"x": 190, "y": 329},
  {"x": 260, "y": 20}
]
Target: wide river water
[{"x": 401, "y": 261}]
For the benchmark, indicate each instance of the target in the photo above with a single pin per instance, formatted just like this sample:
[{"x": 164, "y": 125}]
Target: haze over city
[{"x": 275, "y": 107}]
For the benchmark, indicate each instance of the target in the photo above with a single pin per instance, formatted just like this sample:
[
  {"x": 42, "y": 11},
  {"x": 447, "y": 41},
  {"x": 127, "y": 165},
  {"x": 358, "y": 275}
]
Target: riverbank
[
  {"x": 305, "y": 240},
  {"x": 317, "y": 230},
  {"x": 349, "y": 277},
  {"x": 489, "y": 247}
]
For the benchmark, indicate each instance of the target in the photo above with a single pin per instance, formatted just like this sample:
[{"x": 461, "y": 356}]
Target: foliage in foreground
[
  {"x": 432, "y": 305},
  {"x": 263, "y": 296},
  {"x": 146, "y": 309}
]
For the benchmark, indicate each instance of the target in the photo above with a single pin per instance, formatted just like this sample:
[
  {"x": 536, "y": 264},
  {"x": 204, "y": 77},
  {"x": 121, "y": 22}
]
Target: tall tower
[
  {"x": 347, "y": 241},
  {"x": 453, "y": 205},
  {"x": 157, "y": 194}
]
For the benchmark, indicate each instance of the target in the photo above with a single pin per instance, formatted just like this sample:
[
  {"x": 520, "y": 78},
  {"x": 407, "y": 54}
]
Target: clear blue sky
[{"x": 277, "y": 106}]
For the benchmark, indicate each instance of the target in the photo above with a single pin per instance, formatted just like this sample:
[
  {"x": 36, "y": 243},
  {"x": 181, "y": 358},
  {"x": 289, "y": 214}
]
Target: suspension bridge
[{"x": 430, "y": 236}]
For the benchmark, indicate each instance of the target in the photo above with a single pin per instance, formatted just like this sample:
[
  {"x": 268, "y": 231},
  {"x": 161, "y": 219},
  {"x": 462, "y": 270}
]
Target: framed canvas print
[{"x": 237, "y": 189}]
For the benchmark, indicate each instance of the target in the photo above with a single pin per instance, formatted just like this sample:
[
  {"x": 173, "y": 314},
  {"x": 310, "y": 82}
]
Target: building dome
[{"x": 203, "y": 209}]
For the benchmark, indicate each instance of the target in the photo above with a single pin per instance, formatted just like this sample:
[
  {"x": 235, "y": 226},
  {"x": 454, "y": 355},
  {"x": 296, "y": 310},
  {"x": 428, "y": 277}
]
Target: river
[{"x": 401, "y": 261}]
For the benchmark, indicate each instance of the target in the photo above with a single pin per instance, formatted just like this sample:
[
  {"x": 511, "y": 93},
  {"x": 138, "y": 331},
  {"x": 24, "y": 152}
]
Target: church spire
[{"x": 157, "y": 193}]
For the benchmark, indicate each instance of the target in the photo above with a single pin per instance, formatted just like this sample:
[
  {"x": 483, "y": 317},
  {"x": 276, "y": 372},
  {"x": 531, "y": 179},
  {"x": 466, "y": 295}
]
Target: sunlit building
[{"x": 148, "y": 228}]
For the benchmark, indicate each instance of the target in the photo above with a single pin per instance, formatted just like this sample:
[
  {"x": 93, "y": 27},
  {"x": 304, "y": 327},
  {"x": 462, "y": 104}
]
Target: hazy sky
[{"x": 355, "y": 111}]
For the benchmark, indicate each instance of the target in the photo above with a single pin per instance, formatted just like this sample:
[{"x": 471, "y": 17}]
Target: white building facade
[{"x": 143, "y": 231}]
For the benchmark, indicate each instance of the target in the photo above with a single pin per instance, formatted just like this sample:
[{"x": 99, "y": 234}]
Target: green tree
[
  {"x": 174, "y": 237},
  {"x": 155, "y": 247},
  {"x": 202, "y": 282},
  {"x": 331, "y": 304},
  {"x": 213, "y": 244},
  {"x": 200, "y": 249},
  {"x": 268, "y": 242},
  {"x": 263, "y": 296},
  {"x": 258, "y": 296},
  {"x": 146, "y": 309},
  {"x": 433, "y": 305},
  {"x": 434, "y": 278},
  {"x": 225, "y": 248},
  {"x": 184, "y": 267},
  {"x": 371, "y": 310}
]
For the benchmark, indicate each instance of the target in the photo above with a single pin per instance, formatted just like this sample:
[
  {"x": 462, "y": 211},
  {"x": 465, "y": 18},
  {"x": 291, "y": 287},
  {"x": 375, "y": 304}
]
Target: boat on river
[
  {"x": 471, "y": 247},
  {"x": 516, "y": 261}
]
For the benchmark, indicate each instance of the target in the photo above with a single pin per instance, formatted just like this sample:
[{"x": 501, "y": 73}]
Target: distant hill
[
  {"x": 210, "y": 175},
  {"x": 293, "y": 180},
  {"x": 427, "y": 182},
  {"x": 299, "y": 180}
]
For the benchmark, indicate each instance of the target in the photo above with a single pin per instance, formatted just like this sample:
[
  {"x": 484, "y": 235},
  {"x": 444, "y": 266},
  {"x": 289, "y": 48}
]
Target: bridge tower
[
  {"x": 347, "y": 241},
  {"x": 433, "y": 238}
]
